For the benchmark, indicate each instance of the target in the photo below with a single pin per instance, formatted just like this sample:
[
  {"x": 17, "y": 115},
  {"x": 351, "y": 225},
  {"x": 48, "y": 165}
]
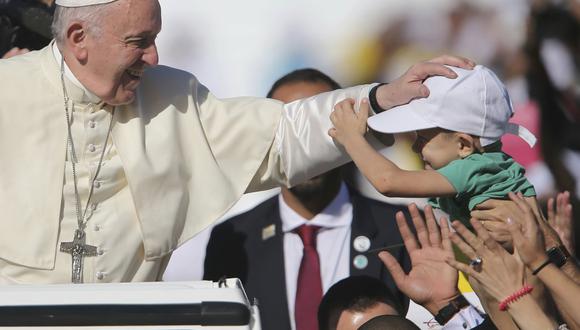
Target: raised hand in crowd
[
  {"x": 529, "y": 242},
  {"x": 493, "y": 214},
  {"x": 431, "y": 282},
  {"x": 500, "y": 274},
  {"x": 560, "y": 218}
]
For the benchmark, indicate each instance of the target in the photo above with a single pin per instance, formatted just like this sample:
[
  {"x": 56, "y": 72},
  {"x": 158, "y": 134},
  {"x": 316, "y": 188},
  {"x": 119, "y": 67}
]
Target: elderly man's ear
[{"x": 76, "y": 41}]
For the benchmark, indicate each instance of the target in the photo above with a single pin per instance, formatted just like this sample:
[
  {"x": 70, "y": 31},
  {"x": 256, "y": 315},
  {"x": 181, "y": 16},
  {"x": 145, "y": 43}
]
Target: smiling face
[
  {"x": 437, "y": 147},
  {"x": 113, "y": 60}
]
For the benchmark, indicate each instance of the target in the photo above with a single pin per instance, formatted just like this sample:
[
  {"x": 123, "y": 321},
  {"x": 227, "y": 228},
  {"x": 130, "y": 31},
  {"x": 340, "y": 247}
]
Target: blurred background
[{"x": 242, "y": 47}]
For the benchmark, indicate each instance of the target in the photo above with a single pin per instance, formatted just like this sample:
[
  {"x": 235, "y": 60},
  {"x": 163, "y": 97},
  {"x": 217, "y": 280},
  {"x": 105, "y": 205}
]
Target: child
[{"x": 458, "y": 127}]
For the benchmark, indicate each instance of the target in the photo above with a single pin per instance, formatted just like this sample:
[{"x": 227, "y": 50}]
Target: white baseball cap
[
  {"x": 81, "y": 3},
  {"x": 476, "y": 102}
]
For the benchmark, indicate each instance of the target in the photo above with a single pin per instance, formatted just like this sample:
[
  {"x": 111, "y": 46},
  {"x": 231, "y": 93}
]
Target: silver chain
[{"x": 81, "y": 215}]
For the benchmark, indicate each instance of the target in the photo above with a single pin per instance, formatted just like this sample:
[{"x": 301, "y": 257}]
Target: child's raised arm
[{"x": 390, "y": 180}]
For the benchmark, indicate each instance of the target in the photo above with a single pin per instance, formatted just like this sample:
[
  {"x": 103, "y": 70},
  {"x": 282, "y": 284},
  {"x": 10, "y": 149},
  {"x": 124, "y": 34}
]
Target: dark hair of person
[
  {"x": 354, "y": 293},
  {"x": 303, "y": 75},
  {"x": 392, "y": 322}
]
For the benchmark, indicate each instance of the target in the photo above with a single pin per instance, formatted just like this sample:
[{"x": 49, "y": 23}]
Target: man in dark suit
[{"x": 262, "y": 247}]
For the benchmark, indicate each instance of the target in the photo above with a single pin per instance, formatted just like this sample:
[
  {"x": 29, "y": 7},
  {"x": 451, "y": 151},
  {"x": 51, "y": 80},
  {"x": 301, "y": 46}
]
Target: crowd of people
[{"x": 111, "y": 161}]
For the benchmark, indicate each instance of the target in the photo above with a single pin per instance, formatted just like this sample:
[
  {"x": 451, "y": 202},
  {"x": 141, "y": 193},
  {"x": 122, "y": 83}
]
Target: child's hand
[{"x": 349, "y": 124}]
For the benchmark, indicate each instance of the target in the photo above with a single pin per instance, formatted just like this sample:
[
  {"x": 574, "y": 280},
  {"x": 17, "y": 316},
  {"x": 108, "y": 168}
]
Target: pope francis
[{"x": 109, "y": 162}]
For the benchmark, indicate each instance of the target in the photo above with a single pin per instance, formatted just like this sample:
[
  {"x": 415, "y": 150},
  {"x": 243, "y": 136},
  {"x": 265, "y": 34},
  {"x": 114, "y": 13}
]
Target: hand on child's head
[{"x": 347, "y": 122}]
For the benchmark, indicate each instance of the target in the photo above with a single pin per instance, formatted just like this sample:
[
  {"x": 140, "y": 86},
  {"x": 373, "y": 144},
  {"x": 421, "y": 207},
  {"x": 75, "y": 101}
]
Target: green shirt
[{"x": 479, "y": 177}]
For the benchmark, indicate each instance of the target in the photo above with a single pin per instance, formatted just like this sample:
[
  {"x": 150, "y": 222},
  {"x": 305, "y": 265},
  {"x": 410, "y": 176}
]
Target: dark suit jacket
[{"x": 236, "y": 249}]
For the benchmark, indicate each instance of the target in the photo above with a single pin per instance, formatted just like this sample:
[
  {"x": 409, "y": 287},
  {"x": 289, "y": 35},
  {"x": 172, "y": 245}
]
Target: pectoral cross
[{"x": 78, "y": 250}]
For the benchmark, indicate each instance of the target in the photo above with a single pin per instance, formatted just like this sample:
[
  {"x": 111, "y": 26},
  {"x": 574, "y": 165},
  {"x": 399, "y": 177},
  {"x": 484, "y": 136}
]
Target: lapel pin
[
  {"x": 360, "y": 262},
  {"x": 268, "y": 231},
  {"x": 361, "y": 243}
]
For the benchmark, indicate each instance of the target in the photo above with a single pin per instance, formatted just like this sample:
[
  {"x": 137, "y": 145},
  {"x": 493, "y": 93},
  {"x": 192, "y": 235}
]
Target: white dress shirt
[{"x": 332, "y": 243}]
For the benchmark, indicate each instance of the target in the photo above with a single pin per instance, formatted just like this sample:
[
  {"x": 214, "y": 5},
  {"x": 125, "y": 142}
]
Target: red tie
[{"x": 309, "y": 288}]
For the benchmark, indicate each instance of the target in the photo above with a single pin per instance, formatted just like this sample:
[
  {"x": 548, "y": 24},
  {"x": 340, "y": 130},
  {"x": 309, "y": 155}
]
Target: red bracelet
[{"x": 503, "y": 305}]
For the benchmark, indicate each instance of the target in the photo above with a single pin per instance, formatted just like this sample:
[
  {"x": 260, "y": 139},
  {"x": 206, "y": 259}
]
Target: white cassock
[{"x": 177, "y": 158}]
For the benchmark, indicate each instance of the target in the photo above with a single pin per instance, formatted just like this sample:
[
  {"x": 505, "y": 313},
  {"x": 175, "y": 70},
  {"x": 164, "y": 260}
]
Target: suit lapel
[
  {"x": 363, "y": 226},
  {"x": 272, "y": 278}
]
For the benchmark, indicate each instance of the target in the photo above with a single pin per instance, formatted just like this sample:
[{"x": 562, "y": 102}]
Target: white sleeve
[
  {"x": 467, "y": 318},
  {"x": 302, "y": 147}
]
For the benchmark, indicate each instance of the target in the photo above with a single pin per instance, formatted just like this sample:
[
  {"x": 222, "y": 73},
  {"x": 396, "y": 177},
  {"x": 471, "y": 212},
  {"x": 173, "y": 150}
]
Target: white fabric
[
  {"x": 81, "y": 3},
  {"x": 467, "y": 318},
  {"x": 332, "y": 244},
  {"x": 299, "y": 144},
  {"x": 476, "y": 102},
  {"x": 112, "y": 220}
]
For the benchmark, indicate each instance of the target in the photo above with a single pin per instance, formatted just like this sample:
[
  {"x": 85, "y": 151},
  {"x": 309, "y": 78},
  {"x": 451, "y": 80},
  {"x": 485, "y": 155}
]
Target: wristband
[
  {"x": 537, "y": 270},
  {"x": 447, "y": 312},
  {"x": 373, "y": 99},
  {"x": 503, "y": 305}
]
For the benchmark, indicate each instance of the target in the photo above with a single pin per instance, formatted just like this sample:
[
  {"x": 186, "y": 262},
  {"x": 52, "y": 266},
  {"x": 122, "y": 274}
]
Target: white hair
[{"x": 64, "y": 16}]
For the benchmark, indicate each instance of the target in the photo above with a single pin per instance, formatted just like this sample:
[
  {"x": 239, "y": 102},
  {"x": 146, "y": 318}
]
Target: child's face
[{"x": 437, "y": 147}]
